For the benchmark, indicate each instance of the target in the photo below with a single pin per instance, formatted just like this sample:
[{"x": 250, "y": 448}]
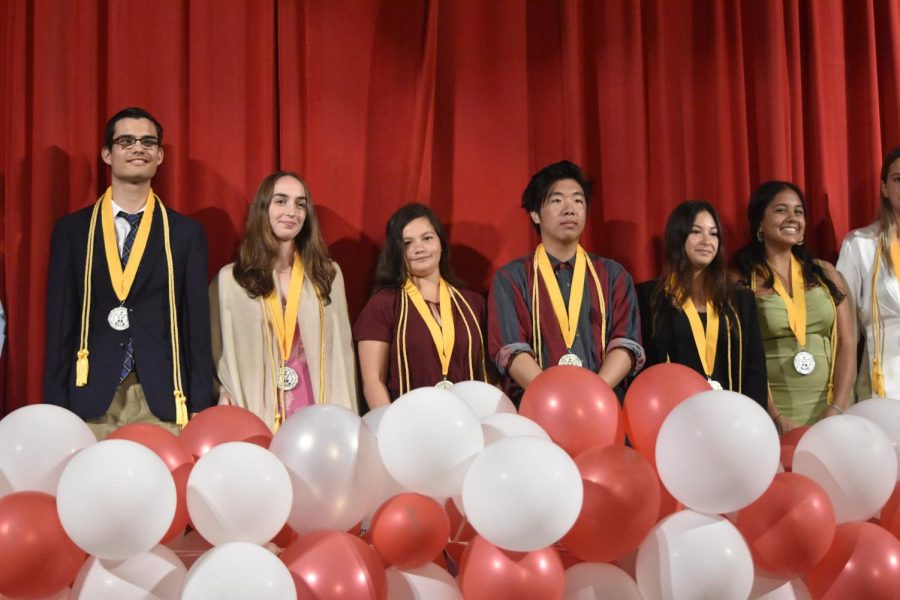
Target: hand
[
  {"x": 830, "y": 411},
  {"x": 225, "y": 399},
  {"x": 784, "y": 424}
]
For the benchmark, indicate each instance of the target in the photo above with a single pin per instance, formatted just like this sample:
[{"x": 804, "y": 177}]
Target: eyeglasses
[{"x": 127, "y": 141}]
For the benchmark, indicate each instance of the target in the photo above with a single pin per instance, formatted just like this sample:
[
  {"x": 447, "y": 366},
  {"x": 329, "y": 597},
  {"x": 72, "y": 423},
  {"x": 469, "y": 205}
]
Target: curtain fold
[{"x": 450, "y": 103}]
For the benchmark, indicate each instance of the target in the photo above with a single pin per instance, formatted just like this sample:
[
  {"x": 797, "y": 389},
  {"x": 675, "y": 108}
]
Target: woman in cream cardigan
[{"x": 281, "y": 332}]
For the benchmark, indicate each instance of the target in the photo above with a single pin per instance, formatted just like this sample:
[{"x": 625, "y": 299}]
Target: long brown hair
[
  {"x": 676, "y": 282},
  {"x": 886, "y": 216},
  {"x": 259, "y": 248}
]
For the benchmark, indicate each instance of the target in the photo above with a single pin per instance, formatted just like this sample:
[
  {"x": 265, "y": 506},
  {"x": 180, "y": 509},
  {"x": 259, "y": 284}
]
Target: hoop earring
[{"x": 759, "y": 235}]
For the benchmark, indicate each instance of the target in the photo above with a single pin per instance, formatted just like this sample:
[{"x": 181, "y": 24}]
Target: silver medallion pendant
[
  {"x": 287, "y": 378},
  {"x": 118, "y": 318},
  {"x": 444, "y": 384},
  {"x": 570, "y": 360},
  {"x": 714, "y": 384},
  {"x": 804, "y": 362}
]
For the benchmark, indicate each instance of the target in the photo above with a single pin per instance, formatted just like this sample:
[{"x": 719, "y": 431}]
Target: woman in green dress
[{"x": 806, "y": 324}]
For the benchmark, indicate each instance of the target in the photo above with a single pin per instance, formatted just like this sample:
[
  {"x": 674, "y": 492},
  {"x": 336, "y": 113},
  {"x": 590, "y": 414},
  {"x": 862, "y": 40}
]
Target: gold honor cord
[
  {"x": 284, "y": 325},
  {"x": 122, "y": 282},
  {"x": 443, "y": 335},
  {"x": 707, "y": 341},
  {"x": 877, "y": 323},
  {"x": 796, "y": 306},
  {"x": 536, "y": 335}
]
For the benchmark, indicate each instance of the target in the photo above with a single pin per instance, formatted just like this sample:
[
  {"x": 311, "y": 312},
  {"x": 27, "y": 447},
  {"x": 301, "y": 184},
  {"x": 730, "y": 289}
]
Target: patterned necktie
[{"x": 133, "y": 220}]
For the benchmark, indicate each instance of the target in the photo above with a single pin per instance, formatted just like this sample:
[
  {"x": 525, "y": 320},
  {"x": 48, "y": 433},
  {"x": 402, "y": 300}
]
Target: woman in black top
[{"x": 692, "y": 316}]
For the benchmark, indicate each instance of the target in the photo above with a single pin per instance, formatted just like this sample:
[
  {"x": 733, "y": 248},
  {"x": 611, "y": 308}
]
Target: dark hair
[
  {"x": 129, "y": 113},
  {"x": 677, "y": 278},
  {"x": 752, "y": 258},
  {"x": 535, "y": 194},
  {"x": 391, "y": 269},
  {"x": 886, "y": 213},
  {"x": 259, "y": 248}
]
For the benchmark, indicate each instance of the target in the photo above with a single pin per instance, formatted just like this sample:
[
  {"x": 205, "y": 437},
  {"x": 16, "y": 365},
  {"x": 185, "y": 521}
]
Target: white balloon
[
  {"x": 239, "y": 492},
  {"x": 884, "y": 412},
  {"x": 522, "y": 493},
  {"x": 333, "y": 463},
  {"x": 691, "y": 555},
  {"x": 428, "y": 582},
  {"x": 158, "y": 573},
  {"x": 36, "y": 443},
  {"x": 483, "y": 398},
  {"x": 717, "y": 451},
  {"x": 599, "y": 581},
  {"x": 853, "y": 460},
  {"x": 503, "y": 425},
  {"x": 427, "y": 440},
  {"x": 116, "y": 499},
  {"x": 237, "y": 571},
  {"x": 767, "y": 588},
  {"x": 373, "y": 418}
]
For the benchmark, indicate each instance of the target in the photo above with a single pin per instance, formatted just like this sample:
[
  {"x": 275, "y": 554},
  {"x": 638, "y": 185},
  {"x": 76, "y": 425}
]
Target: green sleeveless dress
[{"x": 801, "y": 398}]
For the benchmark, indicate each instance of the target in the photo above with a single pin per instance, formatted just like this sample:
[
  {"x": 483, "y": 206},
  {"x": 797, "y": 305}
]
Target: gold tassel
[
  {"x": 181, "y": 412},
  {"x": 277, "y": 422},
  {"x": 81, "y": 369}
]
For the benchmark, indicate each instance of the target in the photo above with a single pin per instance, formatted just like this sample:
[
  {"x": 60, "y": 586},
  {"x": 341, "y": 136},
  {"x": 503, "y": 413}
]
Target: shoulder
[
  {"x": 613, "y": 268},
  {"x": 472, "y": 297},
  {"x": 645, "y": 290},
  {"x": 179, "y": 223},
  {"x": 864, "y": 235},
  {"x": 76, "y": 221},
  {"x": 513, "y": 267}
]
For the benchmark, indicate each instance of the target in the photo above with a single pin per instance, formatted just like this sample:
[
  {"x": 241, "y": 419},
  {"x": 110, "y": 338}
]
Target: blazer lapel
[{"x": 154, "y": 252}]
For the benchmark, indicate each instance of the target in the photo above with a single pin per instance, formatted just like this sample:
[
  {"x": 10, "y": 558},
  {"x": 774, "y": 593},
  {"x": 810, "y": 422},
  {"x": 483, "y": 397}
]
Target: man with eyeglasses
[{"x": 128, "y": 336}]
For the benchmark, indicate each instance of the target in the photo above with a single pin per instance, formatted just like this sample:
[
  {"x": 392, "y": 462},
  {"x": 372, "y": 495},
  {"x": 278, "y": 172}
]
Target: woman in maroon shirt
[{"x": 419, "y": 328}]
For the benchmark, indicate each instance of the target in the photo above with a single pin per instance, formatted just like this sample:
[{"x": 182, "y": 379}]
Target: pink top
[{"x": 302, "y": 394}]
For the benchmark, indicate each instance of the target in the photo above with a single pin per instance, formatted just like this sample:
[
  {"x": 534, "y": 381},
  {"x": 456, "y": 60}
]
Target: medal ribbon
[
  {"x": 567, "y": 317},
  {"x": 122, "y": 282},
  {"x": 707, "y": 342},
  {"x": 443, "y": 335},
  {"x": 796, "y": 306},
  {"x": 284, "y": 320}
]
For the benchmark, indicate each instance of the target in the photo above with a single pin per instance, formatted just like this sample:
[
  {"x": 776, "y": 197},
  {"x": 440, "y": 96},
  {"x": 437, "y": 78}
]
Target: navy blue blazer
[{"x": 148, "y": 311}]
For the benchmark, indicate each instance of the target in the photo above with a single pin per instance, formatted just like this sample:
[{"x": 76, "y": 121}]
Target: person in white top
[{"x": 870, "y": 262}]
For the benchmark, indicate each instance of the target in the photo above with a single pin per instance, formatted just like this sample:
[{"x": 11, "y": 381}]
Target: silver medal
[
  {"x": 804, "y": 362},
  {"x": 118, "y": 318},
  {"x": 287, "y": 378},
  {"x": 570, "y": 360},
  {"x": 444, "y": 384}
]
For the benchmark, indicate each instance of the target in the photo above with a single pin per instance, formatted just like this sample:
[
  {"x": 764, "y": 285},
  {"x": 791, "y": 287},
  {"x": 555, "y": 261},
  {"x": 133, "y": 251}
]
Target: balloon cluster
[{"x": 453, "y": 493}]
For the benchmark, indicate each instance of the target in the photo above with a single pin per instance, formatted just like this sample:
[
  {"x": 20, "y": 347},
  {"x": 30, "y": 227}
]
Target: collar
[{"x": 116, "y": 208}]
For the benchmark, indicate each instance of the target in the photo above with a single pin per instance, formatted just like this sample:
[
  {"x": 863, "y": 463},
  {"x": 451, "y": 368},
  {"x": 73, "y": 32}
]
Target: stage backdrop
[{"x": 453, "y": 103}]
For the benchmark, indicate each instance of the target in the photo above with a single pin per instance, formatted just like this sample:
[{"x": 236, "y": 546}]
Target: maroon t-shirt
[{"x": 379, "y": 321}]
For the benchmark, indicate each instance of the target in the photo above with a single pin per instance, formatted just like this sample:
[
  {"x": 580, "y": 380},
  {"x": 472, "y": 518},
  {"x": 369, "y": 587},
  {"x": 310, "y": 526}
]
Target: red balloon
[
  {"x": 789, "y": 443},
  {"x": 486, "y": 571},
  {"x": 179, "y": 461},
  {"x": 37, "y": 558},
  {"x": 332, "y": 565},
  {"x": 284, "y": 537},
  {"x": 221, "y": 424},
  {"x": 620, "y": 507},
  {"x": 890, "y": 514},
  {"x": 652, "y": 396},
  {"x": 410, "y": 530},
  {"x": 862, "y": 562},
  {"x": 576, "y": 408},
  {"x": 790, "y": 527}
]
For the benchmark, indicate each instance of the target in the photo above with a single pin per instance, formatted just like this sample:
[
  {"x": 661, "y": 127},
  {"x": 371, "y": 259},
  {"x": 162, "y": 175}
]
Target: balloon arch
[{"x": 455, "y": 494}]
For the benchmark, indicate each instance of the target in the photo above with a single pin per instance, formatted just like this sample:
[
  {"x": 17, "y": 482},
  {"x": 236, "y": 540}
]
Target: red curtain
[{"x": 450, "y": 102}]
